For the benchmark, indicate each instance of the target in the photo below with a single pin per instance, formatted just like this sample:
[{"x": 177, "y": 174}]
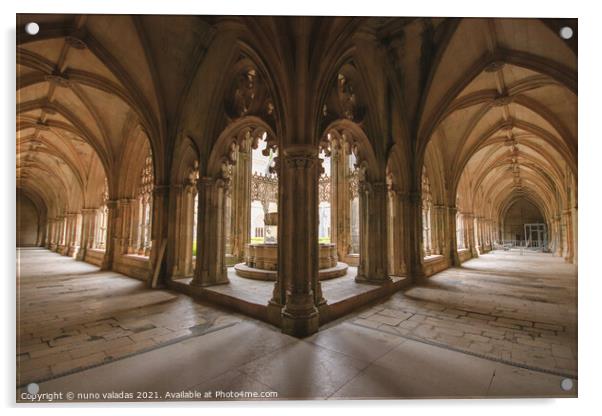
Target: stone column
[
  {"x": 339, "y": 199},
  {"x": 69, "y": 219},
  {"x": 391, "y": 237},
  {"x": 413, "y": 224},
  {"x": 127, "y": 206},
  {"x": 559, "y": 236},
  {"x": 56, "y": 233},
  {"x": 107, "y": 261},
  {"x": 396, "y": 236},
  {"x": 210, "y": 260},
  {"x": 574, "y": 234},
  {"x": 298, "y": 239},
  {"x": 373, "y": 233},
  {"x": 470, "y": 232},
  {"x": 50, "y": 236},
  {"x": 158, "y": 235},
  {"x": 477, "y": 232},
  {"x": 178, "y": 213},
  {"x": 568, "y": 234},
  {"x": 187, "y": 267},
  {"x": 240, "y": 191},
  {"x": 120, "y": 215},
  {"x": 62, "y": 234},
  {"x": 87, "y": 232},
  {"x": 435, "y": 229},
  {"x": 400, "y": 234},
  {"x": 453, "y": 236}
]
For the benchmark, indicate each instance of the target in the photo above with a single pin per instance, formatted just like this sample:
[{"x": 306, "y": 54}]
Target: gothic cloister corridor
[
  {"x": 502, "y": 325},
  {"x": 318, "y": 206}
]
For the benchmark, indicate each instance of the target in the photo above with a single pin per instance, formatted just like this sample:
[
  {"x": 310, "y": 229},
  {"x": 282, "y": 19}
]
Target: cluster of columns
[
  {"x": 563, "y": 229},
  {"x": 297, "y": 295},
  {"x": 182, "y": 216},
  {"x": 74, "y": 233},
  {"x": 340, "y": 200},
  {"x": 435, "y": 230},
  {"x": 63, "y": 234}
]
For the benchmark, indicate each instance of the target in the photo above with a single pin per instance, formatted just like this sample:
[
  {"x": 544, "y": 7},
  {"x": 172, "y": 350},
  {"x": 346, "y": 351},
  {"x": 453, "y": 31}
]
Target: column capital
[
  {"x": 112, "y": 203},
  {"x": 300, "y": 156}
]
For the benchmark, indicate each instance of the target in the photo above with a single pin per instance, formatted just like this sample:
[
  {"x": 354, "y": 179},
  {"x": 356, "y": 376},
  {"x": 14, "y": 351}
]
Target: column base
[
  {"x": 373, "y": 280},
  {"x": 274, "y": 313},
  {"x": 300, "y": 325},
  {"x": 81, "y": 254},
  {"x": 203, "y": 281}
]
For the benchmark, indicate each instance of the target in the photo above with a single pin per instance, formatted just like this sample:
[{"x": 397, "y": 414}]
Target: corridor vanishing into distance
[{"x": 503, "y": 324}]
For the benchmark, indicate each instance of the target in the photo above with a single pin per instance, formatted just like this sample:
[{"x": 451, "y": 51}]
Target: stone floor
[
  {"x": 71, "y": 316},
  {"x": 261, "y": 291},
  {"x": 88, "y": 332},
  {"x": 520, "y": 309}
]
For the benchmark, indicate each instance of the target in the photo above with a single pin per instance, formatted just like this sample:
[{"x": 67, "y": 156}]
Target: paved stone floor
[
  {"x": 115, "y": 336},
  {"x": 71, "y": 315},
  {"x": 521, "y": 309},
  {"x": 260, "y": 291}
]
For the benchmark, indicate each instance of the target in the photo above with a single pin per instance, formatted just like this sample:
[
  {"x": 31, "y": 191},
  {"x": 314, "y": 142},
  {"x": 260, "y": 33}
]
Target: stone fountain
[{"x": 262, "y": 258}]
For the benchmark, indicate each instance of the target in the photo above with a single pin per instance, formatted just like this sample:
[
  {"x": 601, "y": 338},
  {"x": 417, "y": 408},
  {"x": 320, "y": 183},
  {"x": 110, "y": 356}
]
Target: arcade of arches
[{"x": 204, "y": 154}]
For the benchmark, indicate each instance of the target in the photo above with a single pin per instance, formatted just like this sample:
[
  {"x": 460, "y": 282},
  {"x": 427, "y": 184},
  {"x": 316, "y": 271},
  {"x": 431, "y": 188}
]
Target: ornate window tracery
[
  {"x": 145, "y": 206},
  {"x": 354, "y": 195},
  {"x": 325, "y": 206},
  {"x": 264, "y": 187},
  {"x": 427, "y": 205}
]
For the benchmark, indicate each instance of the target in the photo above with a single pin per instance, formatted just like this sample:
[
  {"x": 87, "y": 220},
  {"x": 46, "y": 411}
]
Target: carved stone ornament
[
  {"x": 495, "y": 66},
  {"x": 42, "y": 125},
  {"x": 346, "y": 96},
  {"x": 245, "y": 92},
  {"x": 60, "y": 80},
  {"x": 75, "y": 40},
  {"x": 300, "y": 157},
  {"x": 502, "y": 100}
]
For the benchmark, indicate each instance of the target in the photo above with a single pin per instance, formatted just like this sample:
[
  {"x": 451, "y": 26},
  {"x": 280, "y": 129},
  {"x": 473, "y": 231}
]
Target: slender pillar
[
  {"x": 452, "y": 211},
  {"x": 158, "y": 236},
  {"x": 179, "y": 213},
  {"x": 210, "y": 260},
  {"x": 399, "y": 231},
  {"x": 298, "y": 239},
  {"x": 240, "y": 190},
  {"x": 413, "y": 221},
  {"x": 574, "y": 234},
  {"x": 477, "y": 231},
  {"x": 373, "y": 233},
  {"x": 470, "y": 232},
  {"x": 340, "y": 203},
  {"x": 107, "y": 261},
  {"x": 568, "y": 234},
  {"x": 127, "y": 206},
  {"x": 87, "y": 232}
]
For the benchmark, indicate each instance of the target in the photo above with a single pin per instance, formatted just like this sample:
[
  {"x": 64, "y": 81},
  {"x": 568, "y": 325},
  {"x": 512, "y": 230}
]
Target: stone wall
[
  {"x": 521, "y": 213},
  {"x": 27, "y": 222}
]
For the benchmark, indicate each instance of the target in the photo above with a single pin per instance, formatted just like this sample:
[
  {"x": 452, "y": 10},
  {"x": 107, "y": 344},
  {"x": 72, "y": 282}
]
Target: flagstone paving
[{"x": 520, "y": 309}]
